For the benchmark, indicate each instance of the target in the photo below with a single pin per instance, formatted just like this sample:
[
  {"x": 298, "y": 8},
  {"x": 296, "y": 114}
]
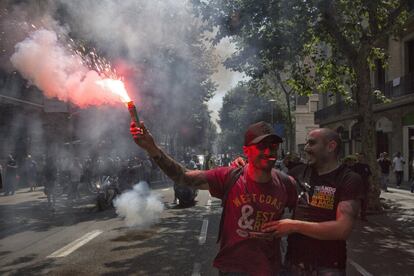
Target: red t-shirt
[{"x": 249, "y": 205}]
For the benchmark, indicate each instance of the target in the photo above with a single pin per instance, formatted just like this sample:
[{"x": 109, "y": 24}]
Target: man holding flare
[{"x": 256, "y": 195}]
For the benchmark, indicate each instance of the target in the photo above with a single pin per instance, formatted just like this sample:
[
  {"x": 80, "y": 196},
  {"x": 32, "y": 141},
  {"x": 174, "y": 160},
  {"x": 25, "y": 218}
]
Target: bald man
[{"x": 325, "y": 213}]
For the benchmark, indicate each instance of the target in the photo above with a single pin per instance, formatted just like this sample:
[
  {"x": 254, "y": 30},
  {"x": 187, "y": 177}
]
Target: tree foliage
[
  {"x": 269, "y": 36},
  {"x": 242, "y": 106},
  {"x": 321, "y": 45}
]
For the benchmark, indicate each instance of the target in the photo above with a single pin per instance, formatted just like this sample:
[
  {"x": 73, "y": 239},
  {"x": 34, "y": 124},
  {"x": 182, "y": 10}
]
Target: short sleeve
[
  {"x": 216, "y": 179},
  {"x": 351, "y": 188}
]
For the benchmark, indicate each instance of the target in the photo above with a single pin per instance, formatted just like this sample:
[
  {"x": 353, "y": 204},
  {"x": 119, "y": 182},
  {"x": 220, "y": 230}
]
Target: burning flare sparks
[
  {"x": 115, "y": 86},
  {"x": 68, "y": 72}
]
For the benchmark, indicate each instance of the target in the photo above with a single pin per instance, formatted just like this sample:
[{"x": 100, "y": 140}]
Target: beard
[{"x": 264, "y": 164}]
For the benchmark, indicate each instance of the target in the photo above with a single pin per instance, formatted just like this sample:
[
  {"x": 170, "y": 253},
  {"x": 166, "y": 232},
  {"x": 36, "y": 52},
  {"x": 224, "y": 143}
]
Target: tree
[
  {"x": 241, "y": 107},
  {"x": 269, "y": 38},
  {"x": 328, "y": 46},
  {"x": 347, "y": 37}
]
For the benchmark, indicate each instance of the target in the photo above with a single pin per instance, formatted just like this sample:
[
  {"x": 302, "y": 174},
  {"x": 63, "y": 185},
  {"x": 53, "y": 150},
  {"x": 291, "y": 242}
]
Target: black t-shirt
[
  {"x": 364, "y": 171},
  {"x": 385, "y": 165},
  {"x": 318, "y": 204}
]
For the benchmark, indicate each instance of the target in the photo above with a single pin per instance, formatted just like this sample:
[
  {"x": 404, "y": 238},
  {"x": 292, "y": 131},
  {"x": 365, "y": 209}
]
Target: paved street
[
  {"x": 30, "y": 233},
  {"x": 182, "y": 243},
  {"x": 385, "y": 244}
]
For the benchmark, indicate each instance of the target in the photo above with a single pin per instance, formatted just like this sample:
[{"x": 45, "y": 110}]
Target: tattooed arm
[
  {"x": 338, "y": 229},
  {"x": 174, "y": 170}
]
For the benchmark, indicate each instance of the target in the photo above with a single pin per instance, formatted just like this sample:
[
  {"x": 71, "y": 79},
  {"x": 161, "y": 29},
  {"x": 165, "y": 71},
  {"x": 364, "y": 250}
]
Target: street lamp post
[{"x": 271, "y": 101}]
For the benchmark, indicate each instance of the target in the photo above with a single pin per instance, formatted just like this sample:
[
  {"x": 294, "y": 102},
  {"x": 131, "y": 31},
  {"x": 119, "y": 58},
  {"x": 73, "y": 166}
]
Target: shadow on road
[
  {"x": 169, "y": 248},
  {"x": 35, "y": 215},
  {"x": 384, "y": 245}
]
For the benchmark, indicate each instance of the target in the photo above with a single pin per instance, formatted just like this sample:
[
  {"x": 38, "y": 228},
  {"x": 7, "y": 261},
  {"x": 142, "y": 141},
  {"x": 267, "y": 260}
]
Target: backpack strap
[
  {"x": 233, "y": 177},
  {"x": 287, "y": 182}
]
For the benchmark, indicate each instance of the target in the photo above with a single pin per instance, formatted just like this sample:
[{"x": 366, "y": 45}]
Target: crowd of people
[{"x": 70, "y": 172}]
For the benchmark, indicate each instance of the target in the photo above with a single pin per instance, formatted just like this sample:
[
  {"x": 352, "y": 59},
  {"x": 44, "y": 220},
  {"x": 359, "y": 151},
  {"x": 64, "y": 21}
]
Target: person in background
[
  {"x": 50, "y": 175},
  {"x": 11, "y": 176},
  {"x": 384, "y": 163},
  {"x": 291, "y": 160},
  {"x": 398, "y": 167},
  {"x": 75, "y": 176},
  {"x": 31, "y": 172},
  {"x": 363, "y": 169},
  {"x": 349, "y": 161}
]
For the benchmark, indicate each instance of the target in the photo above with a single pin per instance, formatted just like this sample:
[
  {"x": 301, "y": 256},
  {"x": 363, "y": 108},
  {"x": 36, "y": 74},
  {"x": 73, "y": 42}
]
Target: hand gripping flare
[{"x": 133, "y": 112}]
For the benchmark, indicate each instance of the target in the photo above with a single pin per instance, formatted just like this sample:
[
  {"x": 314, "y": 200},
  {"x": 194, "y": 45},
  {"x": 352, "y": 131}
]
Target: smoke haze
[
  {"x": 156, "y": 46},
  {"x": 140, "y": 207}
]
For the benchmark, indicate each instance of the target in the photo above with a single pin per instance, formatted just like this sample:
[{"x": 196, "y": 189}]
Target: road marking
[
  {"x": 359, "y": 268},
  {"x": 166, "y": 189},
  {"x": 203, "y": 232},
  {"x": 66, "y": 250},
  {"x": 196, "y": 269}
]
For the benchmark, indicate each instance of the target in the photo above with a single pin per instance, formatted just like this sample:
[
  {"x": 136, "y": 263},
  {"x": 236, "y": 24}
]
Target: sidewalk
[
  {"x": 385, "y": 244},
  {"x": 406, "y": 185}
]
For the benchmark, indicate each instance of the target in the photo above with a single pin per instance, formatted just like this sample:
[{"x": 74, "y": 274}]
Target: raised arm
[
  {"x": 174, "y": 170},
  {"x": 338, "y": 229}
]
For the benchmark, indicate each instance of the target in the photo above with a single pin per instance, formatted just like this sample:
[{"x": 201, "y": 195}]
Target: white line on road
[
  {"x": 359, "y": 268},
  {"x": 66, "y": 250},
  {"x": 203, "y": 232},
  {"x": 196, "y": 269},
  {"x": 166, "y": 189}
]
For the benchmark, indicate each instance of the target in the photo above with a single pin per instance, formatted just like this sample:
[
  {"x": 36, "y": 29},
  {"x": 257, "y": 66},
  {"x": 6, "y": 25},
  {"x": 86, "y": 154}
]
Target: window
[
  {"x": 410, "y": 56},
  {"x": 379, "y": 78},
  {"x": 313, "y": 106}
]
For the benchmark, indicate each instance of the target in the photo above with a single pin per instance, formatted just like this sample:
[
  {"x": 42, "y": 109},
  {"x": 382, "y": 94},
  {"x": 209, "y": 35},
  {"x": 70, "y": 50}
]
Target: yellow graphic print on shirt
[{"x": 323, "y": 197}]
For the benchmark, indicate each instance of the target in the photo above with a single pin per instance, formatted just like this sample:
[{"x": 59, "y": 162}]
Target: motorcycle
[
  {"x": 186, "y": 196},
  {"x": 108, "y": 190}
]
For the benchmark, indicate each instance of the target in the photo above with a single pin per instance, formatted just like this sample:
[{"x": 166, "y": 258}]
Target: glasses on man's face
[{"x": 267, "y": 145}]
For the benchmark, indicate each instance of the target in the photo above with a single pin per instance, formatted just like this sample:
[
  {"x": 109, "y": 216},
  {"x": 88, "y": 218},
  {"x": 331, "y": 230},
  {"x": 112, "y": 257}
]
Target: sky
[{"x": 223, "y": 77}]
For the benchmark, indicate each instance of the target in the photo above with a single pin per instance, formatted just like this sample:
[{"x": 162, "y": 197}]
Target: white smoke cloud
[
  {"x": 140, "y": 206},
  {"x": 45, "y": 62}
]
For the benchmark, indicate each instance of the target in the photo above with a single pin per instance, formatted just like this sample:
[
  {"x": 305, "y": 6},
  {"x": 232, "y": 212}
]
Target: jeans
[
  {"x": 399, "y": 176},
  {"x": 385, "y": 181}
]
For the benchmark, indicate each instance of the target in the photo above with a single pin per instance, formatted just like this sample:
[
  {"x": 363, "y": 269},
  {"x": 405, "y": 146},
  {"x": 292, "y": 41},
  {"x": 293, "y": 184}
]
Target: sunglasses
[{"x": 267, "y": 145}]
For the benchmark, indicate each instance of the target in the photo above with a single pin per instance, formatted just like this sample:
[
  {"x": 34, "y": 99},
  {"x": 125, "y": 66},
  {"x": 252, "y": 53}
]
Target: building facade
[
  {"x": 394, "y": 121},
  {"x": 305, "y": 109},
  {"x": 30, "y": 123}
]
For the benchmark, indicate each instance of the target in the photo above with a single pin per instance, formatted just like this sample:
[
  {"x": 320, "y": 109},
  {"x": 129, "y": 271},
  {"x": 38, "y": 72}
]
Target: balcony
[
  {"x": 397, "y": 88},
  {"x": 333, "y": 111}
]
